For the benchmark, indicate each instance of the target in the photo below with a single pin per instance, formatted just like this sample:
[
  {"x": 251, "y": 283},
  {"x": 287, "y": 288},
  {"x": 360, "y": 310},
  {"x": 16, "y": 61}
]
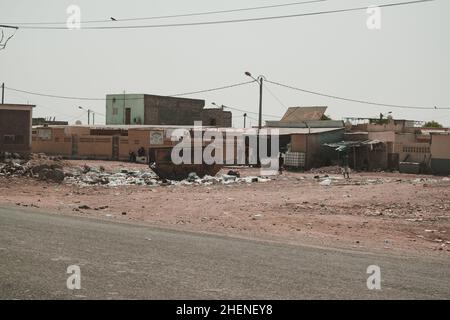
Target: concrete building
[
  {"x": 440, "y": 153},
  {"x": 305, "y": 117},
  {"x": 144, "y": 109},
  {"x": 99, "y": 142},
  {"x": 15, "y": 128},
  {"x": 48, "y": 121}
]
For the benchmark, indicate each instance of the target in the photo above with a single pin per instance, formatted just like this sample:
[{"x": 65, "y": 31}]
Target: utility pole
[
  {"x": 260, "y": 80},
  {"x": 3, "y": 93},
  {"x": 260, "y": 102},
  {"x": 245, "y": 118},
  {"x": 93, "y": 117},
  {"x": 88, "y": 112}
]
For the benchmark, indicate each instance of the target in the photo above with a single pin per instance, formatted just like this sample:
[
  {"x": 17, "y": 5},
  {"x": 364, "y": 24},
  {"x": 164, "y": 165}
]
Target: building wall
[
  {"x": 216, "y": 117},
  {"x": 440, "y": 151},
  {"x": 413, "y": 152},
  {"x": 440, "y": 146},
  {"x": 161, "y": 110},
  {"x": 313, "y": 145},
  {"x": 15, "y": 128},
  {"x": 95, "y": 147},
  {"x": 52, "y": 142},
  {"x": 116, "y": 105},
  {"x": 384, "y": 136}
]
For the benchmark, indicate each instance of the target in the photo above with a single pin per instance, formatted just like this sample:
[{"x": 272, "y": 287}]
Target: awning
[{"x": 344, "y": 145}]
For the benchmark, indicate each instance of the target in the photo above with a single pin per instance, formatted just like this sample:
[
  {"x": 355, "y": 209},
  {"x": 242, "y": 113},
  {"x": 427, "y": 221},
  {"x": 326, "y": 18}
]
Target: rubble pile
[
  {"x": 95, "y": 176},
  {"x": 193, "y": 179},
  {"x": 55, "y": 169},
  {"x": 38, "y": 166},
  {"x": 86, "y": 176},
  {"x": 325, "y": 170}
]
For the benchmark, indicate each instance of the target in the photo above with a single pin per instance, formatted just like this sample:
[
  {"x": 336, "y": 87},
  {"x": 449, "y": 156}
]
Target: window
[
  {"x": 18, "y": 139},
  {"x": 9, "y": 139}
]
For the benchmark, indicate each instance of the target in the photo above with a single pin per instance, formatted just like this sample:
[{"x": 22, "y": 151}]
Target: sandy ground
[{"x": 370, "y": 212}]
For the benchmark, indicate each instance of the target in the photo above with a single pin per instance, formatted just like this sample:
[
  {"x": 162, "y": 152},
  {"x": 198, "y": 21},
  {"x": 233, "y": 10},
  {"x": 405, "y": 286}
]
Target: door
[
  {"x": 128, "y": 116},
  {"x": 393, "y": 161},
  {"x": 74, "y": 145},
  {"x": 115, "y": 147}
]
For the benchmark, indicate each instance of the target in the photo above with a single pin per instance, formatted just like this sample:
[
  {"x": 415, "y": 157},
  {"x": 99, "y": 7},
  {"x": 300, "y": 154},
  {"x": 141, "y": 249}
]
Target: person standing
[{"x": 346, "y": 168}]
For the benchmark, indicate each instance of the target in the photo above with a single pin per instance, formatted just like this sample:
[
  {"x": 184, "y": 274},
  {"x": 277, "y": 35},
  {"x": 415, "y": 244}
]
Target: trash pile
[
  {"x": 94, "y": 176},
  {"x": 55, "y": 169},
  {"x": 193, "y": 179},
  {"x": 39, "y": 167},
  {"x": 325, "y": 170},
  {"x": 87, "y": 176}
]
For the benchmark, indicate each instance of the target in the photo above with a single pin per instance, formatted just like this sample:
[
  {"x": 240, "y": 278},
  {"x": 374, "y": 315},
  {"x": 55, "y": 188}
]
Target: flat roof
[
  {"x": 118, "y": 127},
  {"x": 118, "y": 96},
  {"x": 281, "y": 131},
  {"x": 12, "y": 106}
]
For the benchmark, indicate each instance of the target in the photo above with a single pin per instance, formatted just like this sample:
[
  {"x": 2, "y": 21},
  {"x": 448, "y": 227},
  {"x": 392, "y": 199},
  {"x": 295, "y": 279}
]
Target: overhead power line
[
  {"x": 245, "y": 111},
  {"x": 202, "y": 23},
  {"x": 203, "y": 13},
  {"x": 354, "y": 100},
  {"x": 121, "y": 99}
]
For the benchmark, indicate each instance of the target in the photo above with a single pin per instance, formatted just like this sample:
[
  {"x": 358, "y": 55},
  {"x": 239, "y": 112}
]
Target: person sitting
[{"x": 141, "y": 152}]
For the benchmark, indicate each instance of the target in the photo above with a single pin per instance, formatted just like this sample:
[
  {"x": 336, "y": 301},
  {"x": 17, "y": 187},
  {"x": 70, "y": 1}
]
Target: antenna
[{"x": 4, "y": 38}]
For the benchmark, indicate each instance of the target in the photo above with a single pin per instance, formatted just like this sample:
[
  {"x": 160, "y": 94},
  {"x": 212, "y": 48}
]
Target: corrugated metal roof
[
  {"x": 343, "y": 145},
  {"x": 296, "y": 114},
  {"x": 306, "y": 124},
  {"x": 275, "y": 131}
]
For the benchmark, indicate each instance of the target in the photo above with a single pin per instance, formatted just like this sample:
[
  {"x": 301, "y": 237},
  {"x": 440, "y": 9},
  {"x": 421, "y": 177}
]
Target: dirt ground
[{"x": 387, "y": 212}]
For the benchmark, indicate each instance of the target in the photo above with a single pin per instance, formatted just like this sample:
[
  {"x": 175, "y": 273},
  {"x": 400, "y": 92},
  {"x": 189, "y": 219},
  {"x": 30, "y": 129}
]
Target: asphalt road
[{"x": 123, "y": 261}]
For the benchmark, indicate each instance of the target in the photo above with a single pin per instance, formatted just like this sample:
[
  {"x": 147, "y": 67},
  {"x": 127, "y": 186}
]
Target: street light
[
  {"x": 260, "y": 80},
  {"x": 89, "y": 111}
]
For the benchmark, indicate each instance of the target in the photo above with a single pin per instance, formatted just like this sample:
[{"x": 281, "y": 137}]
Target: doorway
[{"x": 128, "y": 116}]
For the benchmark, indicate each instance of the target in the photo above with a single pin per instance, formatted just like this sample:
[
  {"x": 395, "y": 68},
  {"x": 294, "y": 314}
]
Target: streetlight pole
[
  {"x": 245, "y": 118},
  {"x": 260, "y": 80},
  {"x": 89, "y": 114}
]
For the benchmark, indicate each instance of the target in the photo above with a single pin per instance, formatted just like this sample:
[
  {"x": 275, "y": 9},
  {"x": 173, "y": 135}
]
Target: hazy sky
[{"x": 406, "y": 62}]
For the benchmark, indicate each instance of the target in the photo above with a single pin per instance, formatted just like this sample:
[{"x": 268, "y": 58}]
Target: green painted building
[{"x": 145, "y": 109}]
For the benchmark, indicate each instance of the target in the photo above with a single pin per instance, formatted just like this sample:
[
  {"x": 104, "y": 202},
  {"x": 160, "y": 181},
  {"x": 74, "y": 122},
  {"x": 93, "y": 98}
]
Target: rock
[
  {"x": 257, "y": 217},
  {"x": 54, "y": 175},
  {"x": 326, "y": 182},
  {"x": 234, "y": 173},
  {"x": 192, "y": 177},
  {"x": 85, "y": 207},
  {"x": 228, "y": 178}
]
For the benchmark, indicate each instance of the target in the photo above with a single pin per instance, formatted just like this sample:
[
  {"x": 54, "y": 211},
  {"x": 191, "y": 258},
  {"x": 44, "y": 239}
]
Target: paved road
[{"x": 128, "y": 261}]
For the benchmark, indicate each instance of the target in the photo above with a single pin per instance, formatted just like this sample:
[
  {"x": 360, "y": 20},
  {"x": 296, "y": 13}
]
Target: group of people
[{"x": 133, "y": 156}]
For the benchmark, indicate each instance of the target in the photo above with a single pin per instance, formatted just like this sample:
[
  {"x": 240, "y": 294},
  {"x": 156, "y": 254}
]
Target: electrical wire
[
  {"x": 245, "y": 111},
  {"x": 354, "y": 100},
  {"x": 202, "y": 23},
  {"x": 174, "y": 15},
  {"x": 121, "y": 99}
]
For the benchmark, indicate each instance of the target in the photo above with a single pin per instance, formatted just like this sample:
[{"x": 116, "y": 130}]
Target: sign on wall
[
  {"x": 156, "y": 137},
  {"x": 44, "y": 134}
]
